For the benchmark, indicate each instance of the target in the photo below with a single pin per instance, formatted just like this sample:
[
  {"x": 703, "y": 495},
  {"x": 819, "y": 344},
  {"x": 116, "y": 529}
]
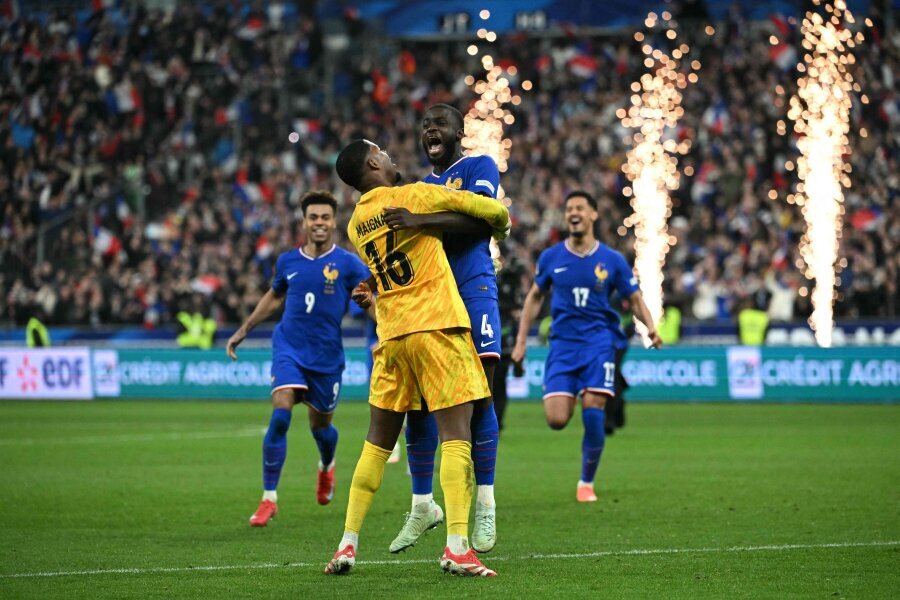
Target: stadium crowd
[{"x": 150, "y": 151}]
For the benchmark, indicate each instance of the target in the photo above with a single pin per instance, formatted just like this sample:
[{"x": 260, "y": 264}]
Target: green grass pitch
[{"x": 151, "y": 500}]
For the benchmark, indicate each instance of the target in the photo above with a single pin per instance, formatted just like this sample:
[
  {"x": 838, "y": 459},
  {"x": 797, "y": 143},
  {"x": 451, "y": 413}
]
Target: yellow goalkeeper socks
[
  {"x": 366, "y": 481},
  {"x": 457, "y": 473}
]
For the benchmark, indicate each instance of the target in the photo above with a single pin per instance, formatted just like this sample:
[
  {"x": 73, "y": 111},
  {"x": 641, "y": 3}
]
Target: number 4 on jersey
[{"x": 486, "y": 328}]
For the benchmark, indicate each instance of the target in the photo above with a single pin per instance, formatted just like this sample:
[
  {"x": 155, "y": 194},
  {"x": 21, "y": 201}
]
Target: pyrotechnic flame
[
  {"x": 651, "y": 165},
  {"x": 485, "y": 119},
  {"x": 821, "y": 114}
]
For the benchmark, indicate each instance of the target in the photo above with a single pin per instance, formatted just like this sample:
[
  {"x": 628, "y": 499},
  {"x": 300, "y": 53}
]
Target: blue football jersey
[
  {"x": 317, "y": 293},
  {"x": 469, "y": 255},
  {"x": 581, "y": 286}
]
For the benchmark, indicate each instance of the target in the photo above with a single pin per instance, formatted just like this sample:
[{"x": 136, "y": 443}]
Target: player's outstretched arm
[
  {"x": 642, "y": 314},
  {"x": 401, "y": 218},
  {"x": 436, "y": 199},
  {"x": 268, "y": 304},
  {"x": 530, "y": 312}
]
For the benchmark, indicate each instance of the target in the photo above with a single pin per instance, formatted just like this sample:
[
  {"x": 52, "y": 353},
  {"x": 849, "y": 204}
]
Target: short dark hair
[
  {"x": 581, "y": 194},
  {"x": 318, "y": 197},
  {"x": 350, "y": 162},
  {"x": 452, "y": 110}
]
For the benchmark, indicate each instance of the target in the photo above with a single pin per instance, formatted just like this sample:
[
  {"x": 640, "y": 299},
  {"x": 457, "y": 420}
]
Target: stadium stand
[{"x": 147, "y": 169}]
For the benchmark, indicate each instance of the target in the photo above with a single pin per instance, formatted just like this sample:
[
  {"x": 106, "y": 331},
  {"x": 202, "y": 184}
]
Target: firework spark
[
  {"x": 821, "y": 114},
  {"x": 651, "y": 165},
  {"x": 484, "y": 121}
]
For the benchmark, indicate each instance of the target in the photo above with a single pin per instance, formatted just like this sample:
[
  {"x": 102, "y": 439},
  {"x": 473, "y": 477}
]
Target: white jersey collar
[
  {"x": 579, "y": 254},
  {"x": 307, "y": 256},
  {"x": 462, "y": 158}
]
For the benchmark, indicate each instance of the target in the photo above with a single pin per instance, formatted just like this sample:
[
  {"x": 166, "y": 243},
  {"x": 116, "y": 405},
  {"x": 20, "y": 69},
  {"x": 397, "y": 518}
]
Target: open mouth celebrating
[{"x": 434, "y": 145}]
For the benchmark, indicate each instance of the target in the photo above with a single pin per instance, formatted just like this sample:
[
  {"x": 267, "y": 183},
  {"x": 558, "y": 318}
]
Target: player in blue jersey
[
  {"x": 313, "y": 283},
  {"x": 467, "y": 243},
  {"x": 585, "y": 330}
]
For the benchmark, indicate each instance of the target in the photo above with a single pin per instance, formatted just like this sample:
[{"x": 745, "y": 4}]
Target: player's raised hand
[
  {"x": 400, "y": 218},
  {"x": 233, "y": 342},
  {"x": 362, "y": 295}
]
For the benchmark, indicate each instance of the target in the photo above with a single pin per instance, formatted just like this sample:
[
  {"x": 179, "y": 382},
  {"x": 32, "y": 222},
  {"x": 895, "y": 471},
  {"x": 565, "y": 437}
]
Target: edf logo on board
[{"x": 45, "y": 373}]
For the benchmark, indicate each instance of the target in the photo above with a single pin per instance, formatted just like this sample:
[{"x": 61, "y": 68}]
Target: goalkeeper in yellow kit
[{"x": 426, "y": 349}]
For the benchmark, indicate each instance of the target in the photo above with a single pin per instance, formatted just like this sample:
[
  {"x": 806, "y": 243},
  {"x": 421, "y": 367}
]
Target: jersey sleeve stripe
[{"x": 487, "y": 184}]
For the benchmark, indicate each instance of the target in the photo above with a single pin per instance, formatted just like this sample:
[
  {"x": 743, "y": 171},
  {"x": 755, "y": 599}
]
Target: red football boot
[
  {"x": 325, "y": 485},
  {"x": 342, "y": 562},
  {"x": 266, "y": 511},
  {"x": 466, "y": 564}
]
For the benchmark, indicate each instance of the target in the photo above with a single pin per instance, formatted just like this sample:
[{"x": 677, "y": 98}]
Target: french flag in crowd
[
  {"x": 307, "y": 128},
  {"x": 99, "y": 5},
  {"x": 251, "y": 29},
  {"x": 782, "y": 54},
  {"x": 224, "y": 115},
  {"x": 206, "y": 284},
  {"x": 250, "y": 191},
  {"x": 106, "y": 242},
  {"x": 716, "y": 118},
  {"x": 264, "y": 247},
  {"x": 123, "y": 98},
  {"x": 583, "y": 65}
]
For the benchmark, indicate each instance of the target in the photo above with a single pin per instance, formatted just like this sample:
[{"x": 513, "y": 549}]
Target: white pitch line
[
  {"x": 141, "y": 437},
  {"x": 636, "y": 552}
]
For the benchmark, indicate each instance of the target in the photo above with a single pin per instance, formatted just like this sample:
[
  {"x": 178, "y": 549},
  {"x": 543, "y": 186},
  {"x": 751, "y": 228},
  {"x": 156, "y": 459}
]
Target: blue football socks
[
  {"x": 592, "y": 444},
  {"x": 275, "y": 447},
  {"x": 327, "y": 440},
  {"x": 421, "y": 445},
  {"x": 485, "y": 436}
]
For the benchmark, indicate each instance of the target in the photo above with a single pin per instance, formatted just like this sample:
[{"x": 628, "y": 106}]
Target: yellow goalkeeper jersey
[{"x": 416, "y": 289}]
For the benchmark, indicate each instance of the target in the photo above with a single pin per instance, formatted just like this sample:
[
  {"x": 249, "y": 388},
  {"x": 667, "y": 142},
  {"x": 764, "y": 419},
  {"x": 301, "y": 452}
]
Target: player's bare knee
[
  {"x": 595, "y": 400},
  {"x": 318, "y": 421},
  {"x": 384, "y": 427},
  {"x": 557, "y": 422},
  {"x": 283, "y": 399},
  {"x": 454, "y": 423}
]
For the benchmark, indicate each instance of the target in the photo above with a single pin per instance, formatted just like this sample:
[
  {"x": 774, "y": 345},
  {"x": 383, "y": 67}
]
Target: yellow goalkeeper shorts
[{"x": 440, "y": 366}]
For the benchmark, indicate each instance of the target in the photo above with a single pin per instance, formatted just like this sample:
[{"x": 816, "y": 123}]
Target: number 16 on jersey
[{"x": 395, "y": 269}]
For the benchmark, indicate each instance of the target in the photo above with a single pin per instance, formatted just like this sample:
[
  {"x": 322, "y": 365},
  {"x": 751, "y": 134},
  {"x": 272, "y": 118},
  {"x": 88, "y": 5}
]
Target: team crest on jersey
[
  {"x": 602, "y": 274},
  {"x": 331, "y": 275},
  {"x": 454, "y": 184}
]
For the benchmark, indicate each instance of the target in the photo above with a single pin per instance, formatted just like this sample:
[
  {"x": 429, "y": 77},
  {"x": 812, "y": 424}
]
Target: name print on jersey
[{"x": 370, "y": 225}]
